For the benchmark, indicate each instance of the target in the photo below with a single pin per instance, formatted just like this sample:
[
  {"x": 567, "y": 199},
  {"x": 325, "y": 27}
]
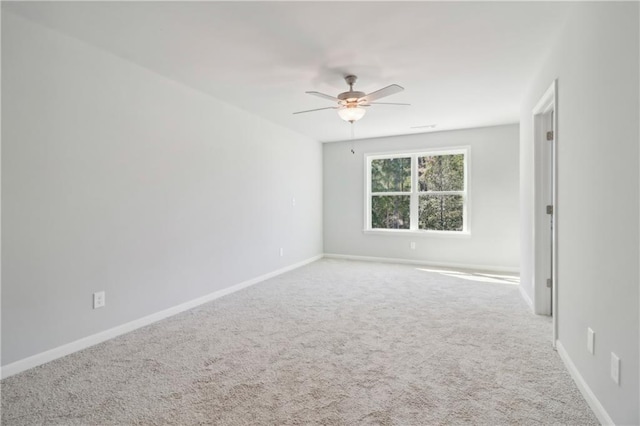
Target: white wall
[
  {"x": 596, "y": 63},
  {"x": 115, "y": 178},
  {"x": 493, "y": 220}
]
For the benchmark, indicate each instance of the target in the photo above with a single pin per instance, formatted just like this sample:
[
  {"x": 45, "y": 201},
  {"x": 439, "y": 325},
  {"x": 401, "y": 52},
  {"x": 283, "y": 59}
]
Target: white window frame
[{"x": 415, "y": 193}]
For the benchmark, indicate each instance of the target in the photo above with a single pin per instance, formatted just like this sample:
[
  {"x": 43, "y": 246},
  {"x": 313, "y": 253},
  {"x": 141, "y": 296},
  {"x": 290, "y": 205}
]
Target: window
[{"x": 421, "y": 191}]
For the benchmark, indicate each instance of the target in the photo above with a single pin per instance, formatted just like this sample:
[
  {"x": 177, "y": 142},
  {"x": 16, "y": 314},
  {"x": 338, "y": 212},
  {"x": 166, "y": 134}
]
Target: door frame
[{"x": 545, "y": 250}]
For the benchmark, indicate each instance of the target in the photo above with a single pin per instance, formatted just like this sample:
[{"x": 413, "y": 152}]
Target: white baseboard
[
  {"x": 491, "y": 268},
  {"x": 585, "y": 390},
  {"x": 69, "y": 348},
  {"x": 526, "y": 297}
]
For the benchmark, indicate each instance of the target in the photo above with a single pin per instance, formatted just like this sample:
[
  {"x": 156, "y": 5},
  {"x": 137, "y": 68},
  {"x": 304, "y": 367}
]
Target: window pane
[
  {"x": 391, "y": 175},
  {"x": 440, "y": 212},
  {"x": 441, "y": 172},
  {"x": 390, "y": 211}
]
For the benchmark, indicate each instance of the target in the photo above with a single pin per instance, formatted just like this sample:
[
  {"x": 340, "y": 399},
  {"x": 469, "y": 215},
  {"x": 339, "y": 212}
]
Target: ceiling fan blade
[
  {"x": 385, "y": 91},
  {"x": 388, "y": 103},
  {"x": 323, "y": 96},
  {"x": 317, "y": 109}
]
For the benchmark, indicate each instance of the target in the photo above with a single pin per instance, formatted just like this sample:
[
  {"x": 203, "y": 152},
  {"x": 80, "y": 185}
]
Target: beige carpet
[{"x": 332, "y": 343}]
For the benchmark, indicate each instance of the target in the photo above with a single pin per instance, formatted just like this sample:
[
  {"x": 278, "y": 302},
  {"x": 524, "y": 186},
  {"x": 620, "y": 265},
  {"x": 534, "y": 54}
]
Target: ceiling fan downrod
[{"x": 351, "y": 80}]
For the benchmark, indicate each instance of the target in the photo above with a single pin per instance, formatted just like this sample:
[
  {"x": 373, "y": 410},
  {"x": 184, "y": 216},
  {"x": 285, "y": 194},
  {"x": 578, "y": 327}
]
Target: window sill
[{"x": 406, "y": 232}]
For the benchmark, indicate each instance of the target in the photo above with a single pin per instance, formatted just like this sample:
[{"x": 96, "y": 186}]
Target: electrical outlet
[
  {"x": 293, "y": 202},
  {"x": 615, "y": 368},
  {"x": 413, "y": 245},
  {"x": 99, "y": 300},
  {"x": 281, "y": 252},
  {"x": 591, "y": 335}
]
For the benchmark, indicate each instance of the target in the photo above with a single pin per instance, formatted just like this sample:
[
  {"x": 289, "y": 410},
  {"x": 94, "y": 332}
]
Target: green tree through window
[
  {"x": 421, "y": 191},
  {"x": 390, "y": 181},
  {"x": 440, "y": 177}
]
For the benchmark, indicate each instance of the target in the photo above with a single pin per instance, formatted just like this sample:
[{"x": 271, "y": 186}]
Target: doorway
[{"x": 545, "y": 207}]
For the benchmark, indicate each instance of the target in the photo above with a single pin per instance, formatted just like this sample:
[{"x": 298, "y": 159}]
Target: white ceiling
[{"x": 462, "y": 64}]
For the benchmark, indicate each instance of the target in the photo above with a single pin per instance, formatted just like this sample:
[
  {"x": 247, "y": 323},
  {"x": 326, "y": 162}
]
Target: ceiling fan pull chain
[{"x": 353, "y": 123}]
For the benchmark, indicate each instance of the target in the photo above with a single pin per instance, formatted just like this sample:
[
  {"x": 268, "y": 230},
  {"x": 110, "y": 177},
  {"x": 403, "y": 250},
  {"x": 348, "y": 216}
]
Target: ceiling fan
[{"x": 351, "y": 104}]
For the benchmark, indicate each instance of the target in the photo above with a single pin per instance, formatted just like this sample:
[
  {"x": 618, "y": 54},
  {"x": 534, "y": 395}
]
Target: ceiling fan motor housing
[{"x": 351, "y": 96}]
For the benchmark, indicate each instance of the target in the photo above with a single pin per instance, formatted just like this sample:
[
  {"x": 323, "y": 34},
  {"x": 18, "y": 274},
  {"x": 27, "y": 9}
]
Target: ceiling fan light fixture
[{"x": 351, "y": 113}]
